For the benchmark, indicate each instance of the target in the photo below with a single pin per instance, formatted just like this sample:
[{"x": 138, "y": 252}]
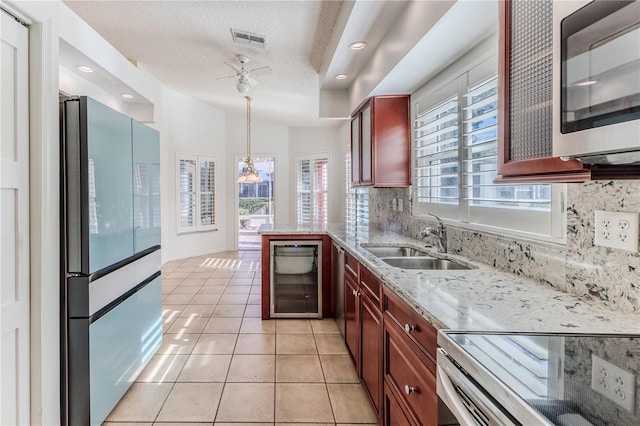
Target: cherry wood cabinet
[
  {"x": 409, "y": 365},
  {"x": 381, "y": 142},
  {"x": 327, "y": 292},
  {"x": 393, "y": 348},
  {"x": 371, "y": 350},
  {"x": 408, "y": 375},
  {"x": 524, "y": 97},
  {"x": 525, "y": 110},
  {"x": 394, "y": 414},
  {"x": 363, "y": 327},
  {"x": 352, "y": 318}
]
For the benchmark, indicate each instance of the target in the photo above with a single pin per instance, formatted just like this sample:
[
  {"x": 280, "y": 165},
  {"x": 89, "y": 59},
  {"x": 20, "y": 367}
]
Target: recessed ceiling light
[
  {"x": 358, "y": 45},
  {"x": 586, "y": 83},
  {"x": 126, "y": 96},
  {"x": 84, "y": 68},
  {"x": 341, "y": 76}
]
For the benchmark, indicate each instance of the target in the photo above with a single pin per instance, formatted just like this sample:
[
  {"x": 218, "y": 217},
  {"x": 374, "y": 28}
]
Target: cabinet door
[
  {"x": 351, "y": 318},
  {"x": 355, "y": 150},
  {"x": 524, "y": 97},
  {"x": 371, "y": 352},
  {"x": 409, "y": 377},
  {"x": 393, "y": 413},
  {"x": 366, "y": 176}
]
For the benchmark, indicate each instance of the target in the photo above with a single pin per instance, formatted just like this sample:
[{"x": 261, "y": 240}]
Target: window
[
  {"x": 356, "y": 209},
  {"x": 196, "y": 193},
  {"x": 312, "y": 188},
  {"x": 455, "y": 162}
]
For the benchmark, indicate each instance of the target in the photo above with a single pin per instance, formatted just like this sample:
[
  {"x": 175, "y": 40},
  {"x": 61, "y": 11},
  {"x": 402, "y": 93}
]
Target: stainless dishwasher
[
  {"x": 296, "y": 279},
  {"x": 338, "y": 279}
]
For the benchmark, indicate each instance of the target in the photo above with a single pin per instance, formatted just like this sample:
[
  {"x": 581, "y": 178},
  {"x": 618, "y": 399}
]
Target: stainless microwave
[{"x": 596, "y": 81}]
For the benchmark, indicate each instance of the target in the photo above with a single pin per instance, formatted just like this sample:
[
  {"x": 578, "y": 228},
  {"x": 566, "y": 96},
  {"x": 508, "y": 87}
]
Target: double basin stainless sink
[{"x": 411, "y": 258}]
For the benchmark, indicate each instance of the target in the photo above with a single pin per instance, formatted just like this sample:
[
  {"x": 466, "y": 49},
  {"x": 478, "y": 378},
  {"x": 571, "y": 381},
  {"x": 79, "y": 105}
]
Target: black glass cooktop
[{"x": 572, "y": 380}]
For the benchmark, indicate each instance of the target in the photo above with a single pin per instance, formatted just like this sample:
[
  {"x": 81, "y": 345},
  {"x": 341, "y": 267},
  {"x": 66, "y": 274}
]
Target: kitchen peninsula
[
  {"x": 482, "y": 298},
  {"x": 391, "y": 317}
]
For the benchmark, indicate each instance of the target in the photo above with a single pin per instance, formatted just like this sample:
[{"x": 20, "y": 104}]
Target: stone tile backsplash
[{"x": 607, "y": 275}]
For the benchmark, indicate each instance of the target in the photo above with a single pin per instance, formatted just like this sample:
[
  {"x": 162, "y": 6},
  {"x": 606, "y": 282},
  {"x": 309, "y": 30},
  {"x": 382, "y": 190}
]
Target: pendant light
[{"x": 249, "y": 173}]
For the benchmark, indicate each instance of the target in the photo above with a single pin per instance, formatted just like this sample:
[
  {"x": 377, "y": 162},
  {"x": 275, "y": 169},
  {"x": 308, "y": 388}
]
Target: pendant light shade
[{"x": 249, "y": 173}]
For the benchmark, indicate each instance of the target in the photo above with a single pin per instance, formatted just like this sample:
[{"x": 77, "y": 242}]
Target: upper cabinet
[
  {"x": 381, "y": 142},
  {"x": 525, "y": 81},
  {"x": 528, "y": 37}
]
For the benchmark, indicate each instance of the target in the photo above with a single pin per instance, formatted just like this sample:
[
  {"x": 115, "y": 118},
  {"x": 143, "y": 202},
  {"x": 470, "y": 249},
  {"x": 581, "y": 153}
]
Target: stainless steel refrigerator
[{"x": 110, "y": 256}]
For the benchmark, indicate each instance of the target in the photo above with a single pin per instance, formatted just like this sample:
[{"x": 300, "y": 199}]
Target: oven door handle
[{"x": 450, "y": 397}]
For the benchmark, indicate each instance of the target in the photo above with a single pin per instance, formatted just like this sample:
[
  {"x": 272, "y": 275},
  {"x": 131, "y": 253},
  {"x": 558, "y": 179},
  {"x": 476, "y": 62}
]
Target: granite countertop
[{"x": 480, "y": 299}]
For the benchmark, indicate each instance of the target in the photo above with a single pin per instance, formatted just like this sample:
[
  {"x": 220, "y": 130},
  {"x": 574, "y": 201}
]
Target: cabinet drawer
[
  {"x": 393, "y": 413},
  {"x": 409, "y": 377},
  {"x": 351, "y": 266},
  {"x": 423, "y": 333},
  {"x": 372, "y": 285}
]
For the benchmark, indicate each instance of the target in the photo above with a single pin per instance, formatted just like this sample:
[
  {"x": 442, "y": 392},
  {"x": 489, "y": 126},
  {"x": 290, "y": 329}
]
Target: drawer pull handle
[
  {"x": 410, "y": 389},
  {"x": 409, "y": 328},
  {"x": 353, "y": 292}
]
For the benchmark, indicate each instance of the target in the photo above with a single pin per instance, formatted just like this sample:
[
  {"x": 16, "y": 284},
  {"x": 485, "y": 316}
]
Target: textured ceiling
[{"x": 184, "y": 44}]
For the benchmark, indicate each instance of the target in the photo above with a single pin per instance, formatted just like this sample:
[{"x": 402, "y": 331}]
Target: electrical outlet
[
  {"x": 613, "y": 382},
  {"x": 400, "y": 204},
  {"x": 394, "y": 204},
  {"x": 617, "y": 230}
]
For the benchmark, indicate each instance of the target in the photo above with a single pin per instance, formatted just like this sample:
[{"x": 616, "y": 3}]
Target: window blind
[
  {"x": 312, "y": 189},
  {"x": 207, "y": 185},
  {"x": 349, "y": 205},
  {"x": 455, "y": 155},
  {"x": 196, "y": 183},
  {"x": 480, "y": 142},
  {"x": 187, "y": 179},
  {"x": 436, "y": 154}
]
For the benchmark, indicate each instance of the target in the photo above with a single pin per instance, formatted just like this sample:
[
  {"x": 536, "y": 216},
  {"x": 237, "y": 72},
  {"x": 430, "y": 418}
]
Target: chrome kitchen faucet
[{"x": 440, "y": 233}]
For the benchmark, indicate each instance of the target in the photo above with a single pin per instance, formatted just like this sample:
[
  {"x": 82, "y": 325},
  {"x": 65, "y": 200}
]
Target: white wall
[
  {"x": 304, "y": 140},
  {"x": 190, "y": 126}
]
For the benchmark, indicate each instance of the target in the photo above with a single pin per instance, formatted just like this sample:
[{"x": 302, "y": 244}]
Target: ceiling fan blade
[
  {"x": 261, "y": 70},
  {"x": 233, "y": 67},
  {"x": 252, "y": 81},
  {"x": 224, "y": 78}
]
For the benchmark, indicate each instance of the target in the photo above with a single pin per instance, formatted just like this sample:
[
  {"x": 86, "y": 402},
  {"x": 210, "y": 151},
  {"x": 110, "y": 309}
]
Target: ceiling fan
[{"x": 244, "y": 75}]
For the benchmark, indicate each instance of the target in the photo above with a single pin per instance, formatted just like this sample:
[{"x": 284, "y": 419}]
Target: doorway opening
[{"x": 255, "y": 203}]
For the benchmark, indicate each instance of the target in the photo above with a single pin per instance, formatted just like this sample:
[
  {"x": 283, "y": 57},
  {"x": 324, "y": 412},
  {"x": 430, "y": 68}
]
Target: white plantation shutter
[
  {"x": 196, "y": 184},
  {"x": 187, "y": 193},
  {"x": 321, "y": 190},
  {"x": 480, "y": 140},
  {"x": 349, "y": 205},
  {"x": 491, "y": 203},
  {"x": 303, "y": 190},
  {"x": 312, "y": 188},
  {"x": 437, "y": 154},
  {"x": 207, "y": 195},
  {"x": 456, "y": 158}
]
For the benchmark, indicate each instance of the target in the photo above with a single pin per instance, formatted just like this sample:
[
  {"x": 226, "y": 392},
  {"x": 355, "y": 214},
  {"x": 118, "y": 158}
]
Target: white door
[{"x": 14, "y": 226}]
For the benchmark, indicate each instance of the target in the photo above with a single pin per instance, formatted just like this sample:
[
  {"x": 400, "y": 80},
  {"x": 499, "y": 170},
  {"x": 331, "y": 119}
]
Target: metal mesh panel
[{"x": 530, "y": 111}]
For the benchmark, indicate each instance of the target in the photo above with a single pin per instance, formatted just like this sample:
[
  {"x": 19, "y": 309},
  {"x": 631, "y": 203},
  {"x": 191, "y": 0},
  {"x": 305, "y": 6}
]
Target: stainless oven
[
  {"x": 539, "y": 379},
  {"x": 597, "y": 81}
]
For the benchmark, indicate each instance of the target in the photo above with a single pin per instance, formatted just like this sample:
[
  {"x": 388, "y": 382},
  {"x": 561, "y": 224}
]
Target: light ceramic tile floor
[{"x": 220, "y": 364}]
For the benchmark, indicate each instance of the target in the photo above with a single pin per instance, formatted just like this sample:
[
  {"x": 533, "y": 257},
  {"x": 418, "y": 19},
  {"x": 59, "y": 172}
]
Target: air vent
[{"x": 252, "y": 39}]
